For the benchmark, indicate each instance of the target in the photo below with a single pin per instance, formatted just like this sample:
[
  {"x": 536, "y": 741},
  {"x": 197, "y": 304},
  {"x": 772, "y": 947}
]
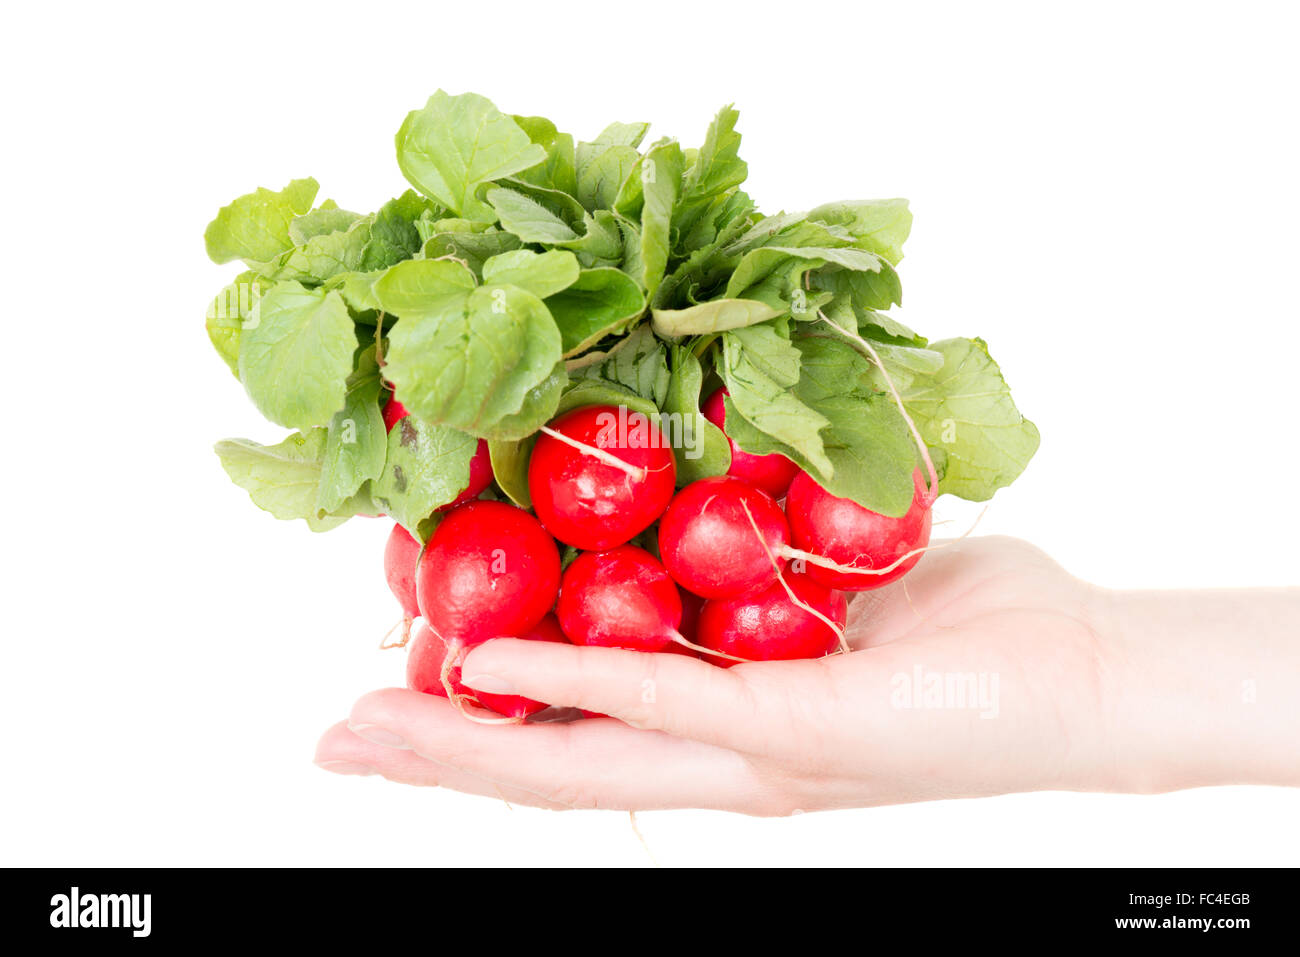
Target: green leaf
[
  {"x": 601, "y": 302},
  {"x": 394, "y": 236},
  {"x": 759, "y": 375},
  {"x": 537, "y": 409},
  {"x": 661, "y": 181},
  {"x": 716, "y": 315},
  {"x": 510, "y": 467},
  {"x": 622, "y": 134},
  {"x": 281, "y": 479},
  {"x": 426, "y": 467},
  {"x": 639, "y": 364},
  {"x": 559, "y": 170},
  {"x": 528, "y": 219},
  {"x": 596, "y": 391},
  {"x": 323, "y": 256},
  {"x": 543, "y": 274},
  {"x": 327, "y": 218},
  {"x": 473, "y": 248},
  {"x": 866, "y": 291},
  {"x": 965, "y": 409},
  {"x": 236, "y": 305},
  {"x": 470, "y": 360},
  {"x": 880, "y": 226},
  {"x": 864, "y": 439},
  {"x": 715, "y": 170},
  {"x": 717, "y": 167},
  {"x": 700, "y": 447},
  {"x": 602, "y": 169},
  {"x": 420, "y": 286},
  {"x": 295, "y": 360},
  {"x": 255, "y": 227},
  {"x": 456, "y": 144},
  {"x": 356, "y": 444}
]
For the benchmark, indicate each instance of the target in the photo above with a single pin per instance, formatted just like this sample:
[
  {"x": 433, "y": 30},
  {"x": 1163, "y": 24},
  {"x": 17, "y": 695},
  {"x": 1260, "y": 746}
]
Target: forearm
[{"x": 1203, "y": 688}]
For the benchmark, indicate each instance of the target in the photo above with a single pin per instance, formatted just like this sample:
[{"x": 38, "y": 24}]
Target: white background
[{"x": 1108, "y": 195}]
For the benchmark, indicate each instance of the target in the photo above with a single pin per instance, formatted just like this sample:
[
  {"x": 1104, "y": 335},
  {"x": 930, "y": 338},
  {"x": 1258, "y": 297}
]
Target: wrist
[{"x": 1201, "y": 688}]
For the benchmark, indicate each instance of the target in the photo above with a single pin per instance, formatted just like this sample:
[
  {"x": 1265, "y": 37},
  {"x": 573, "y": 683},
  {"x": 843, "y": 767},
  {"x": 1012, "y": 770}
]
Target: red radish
[
  {"x": 691, "y": 605},
  {"x": 394, "y": 412},
  {"x": 424, "y": 665},
  {"x": 400, "y": 555},
  {"x": 708, "y": 543},
  {"x": 600, "y": 475},
  {"x": 515, "y": 705},
  {"x": 772, "y": 473},
  {"x": 769, "y": 626},
  {"x": 480, "y": 477},
  {"x": 490, "y": 570},
  {"x": 847, "y": 534},
  {"x": 480, "y": 467},
  {"x": 621, "y": 598}
]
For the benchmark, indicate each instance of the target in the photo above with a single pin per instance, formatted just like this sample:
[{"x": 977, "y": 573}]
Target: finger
[
  {"x": 590, "y": 764},
  {"x": 682, "y": 696},
  {"x": 345, "y": 752}
]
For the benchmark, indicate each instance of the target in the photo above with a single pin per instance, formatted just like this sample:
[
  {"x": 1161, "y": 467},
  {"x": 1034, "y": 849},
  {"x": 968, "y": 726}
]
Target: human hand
[{"x": 992, "y": 617}]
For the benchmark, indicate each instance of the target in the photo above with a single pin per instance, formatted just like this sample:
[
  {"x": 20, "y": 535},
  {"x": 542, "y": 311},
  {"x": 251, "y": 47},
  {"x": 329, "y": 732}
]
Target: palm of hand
[{"x": 978, "y": 673}]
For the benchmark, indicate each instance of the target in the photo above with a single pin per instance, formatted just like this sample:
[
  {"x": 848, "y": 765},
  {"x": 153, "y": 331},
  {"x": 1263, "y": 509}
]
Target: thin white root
[
  {"x": 631, "y": 817},
  {"x": 932, "y": 491},
  {"x": 601, "y": 455},
  {"x": 680, "y": 639},
  {"x": 405, "y": 626},
  {"x": 795, "y": 599},
  {"x": 798, "y": 554}
]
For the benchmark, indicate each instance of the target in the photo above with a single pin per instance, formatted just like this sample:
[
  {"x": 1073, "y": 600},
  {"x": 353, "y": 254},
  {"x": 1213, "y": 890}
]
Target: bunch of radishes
[
  {"x": 635, "y": 410},
  {"x": 717, "y": 569}
]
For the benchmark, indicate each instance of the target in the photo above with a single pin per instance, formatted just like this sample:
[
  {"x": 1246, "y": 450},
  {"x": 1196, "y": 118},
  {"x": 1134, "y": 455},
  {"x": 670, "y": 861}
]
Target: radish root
[
  {"x": 405, "y": 626},
  {"x": 822, "y": 562},
  {"x": 682, "y": 640},
  {"x": 839, "y": 632},
  {"x": 631, "y": 818},
  {"x": 601, "y": 455}
]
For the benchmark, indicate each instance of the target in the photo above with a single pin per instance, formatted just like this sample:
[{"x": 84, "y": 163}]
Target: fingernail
[
  {"x": 345, "y": 767},
  {"x": 489, "y": 683},
  {"x": 377, "y": 735}
]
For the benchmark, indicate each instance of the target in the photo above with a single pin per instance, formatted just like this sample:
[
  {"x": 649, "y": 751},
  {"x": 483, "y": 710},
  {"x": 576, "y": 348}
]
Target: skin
[{"x": 1098, "y": 691}]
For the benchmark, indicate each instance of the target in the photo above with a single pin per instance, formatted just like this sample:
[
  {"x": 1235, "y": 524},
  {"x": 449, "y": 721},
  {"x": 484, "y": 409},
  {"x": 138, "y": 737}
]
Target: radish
[
  {"x": 490, "y": 570},
  {"x": 708, "y": 542},
  {"x": 772, "y": 473},
  {"x": 424, "y": 665},
  {"x": 600, "y": 475},
  {"x": 621, "y": 598},
  {"x": 394, "y": 412},
  {"x": 514, "y": 705},
  {"x": 480, "y": 477},
  {"x": 691, "y": 605},
  {"x": 400, "y": 556},
  {"x": 843, "y": 532},
  {"x": 480, "y": 466},
  {"x": 770, "y": 626}
]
